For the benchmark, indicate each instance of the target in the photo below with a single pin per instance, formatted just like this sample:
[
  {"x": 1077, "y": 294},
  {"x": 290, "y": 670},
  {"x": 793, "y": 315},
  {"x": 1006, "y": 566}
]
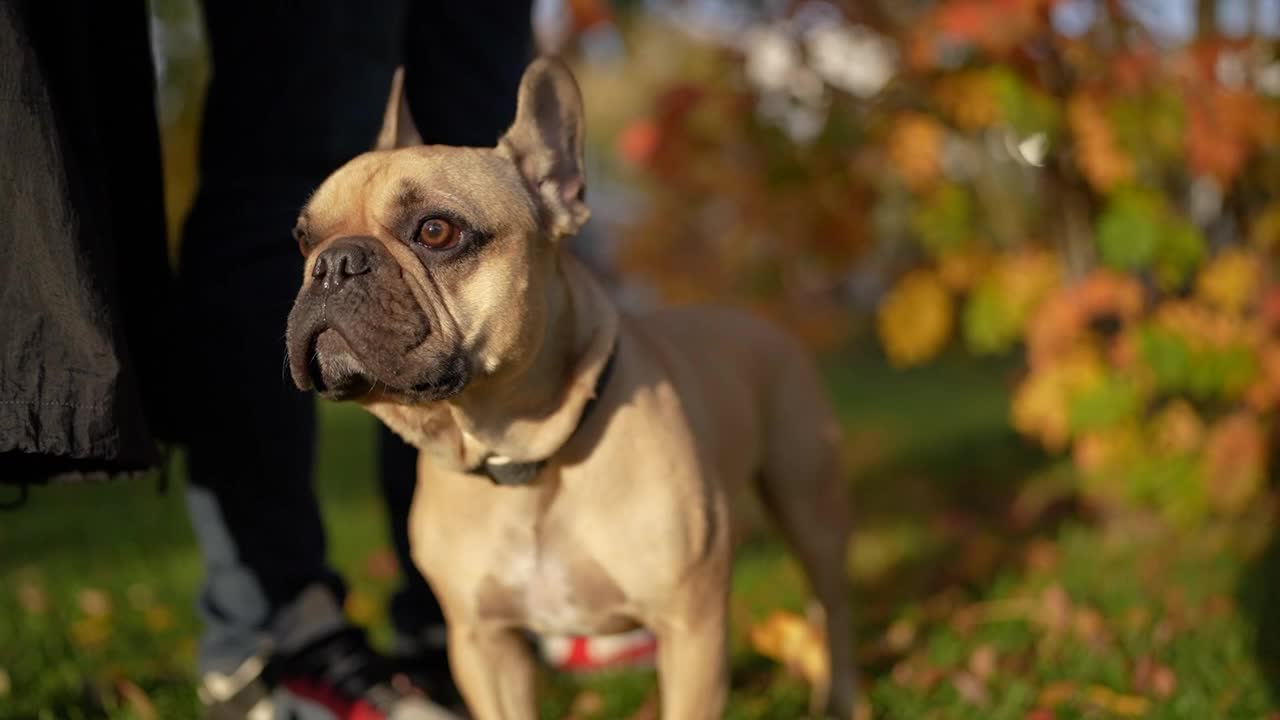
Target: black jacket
[{"x": 86, "y": 309}]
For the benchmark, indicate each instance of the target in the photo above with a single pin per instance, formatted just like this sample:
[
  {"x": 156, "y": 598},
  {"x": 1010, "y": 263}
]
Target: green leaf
[
  {"x": 991, "y": 324},
  {"x": 1182, "y": 249},
  {"x": 945, "y": 221},
  {"x": 1169, "y": 358},
  {"x": 1129, "y": 229},
  {"x": 1112, "y": 402}
]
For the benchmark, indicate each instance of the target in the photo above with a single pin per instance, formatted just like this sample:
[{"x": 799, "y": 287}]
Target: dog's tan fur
[{"x": 629, "y": 523}]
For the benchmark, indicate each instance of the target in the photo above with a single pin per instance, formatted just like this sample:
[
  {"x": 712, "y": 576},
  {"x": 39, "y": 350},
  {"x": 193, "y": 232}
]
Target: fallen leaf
[
  {"x": 1040, "y": 714},
  {"x": 361, "y": 608},
  {"x": 916, "y": 673},
  {"x": 982, "y": 662},
  {"x": 970, "y": 688},
  {"x": 136, "y": 699},
  {"x": 381, "y": 564},
  {"x": 1117, "y": 703},
  {"x": 1041, "y": 556},
  {"x": 1055, "y": 608},
  {"x": 94, "y": 603},
  {"x": 32, "y": 598},
  {"x": 796, "y": 643},
  {"x": 586, "y": 704},
  {"x": 900, "y": 635},
  {"x": 90, "y": 632},
  {"x": 1089, "y": 625},
  {"x": 1150, "y": 676},
  {"x": 1055, "y": 694},
  {"x": 1137, "y": 617}
]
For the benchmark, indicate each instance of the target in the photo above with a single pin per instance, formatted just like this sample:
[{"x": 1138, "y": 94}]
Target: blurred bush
[{"x": 1093, "y": 185}]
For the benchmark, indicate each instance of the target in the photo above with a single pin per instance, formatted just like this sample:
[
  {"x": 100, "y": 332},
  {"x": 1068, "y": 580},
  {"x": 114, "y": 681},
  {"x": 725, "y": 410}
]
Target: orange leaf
[
  {"x": 1104, "y": 164},
  {"x": 915, "y": 143}
]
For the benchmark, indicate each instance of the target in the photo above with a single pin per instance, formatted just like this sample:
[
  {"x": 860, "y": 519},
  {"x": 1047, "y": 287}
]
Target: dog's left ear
[
  {"x": 545, "y": 142},
  {"x": 398, "y": 129}
]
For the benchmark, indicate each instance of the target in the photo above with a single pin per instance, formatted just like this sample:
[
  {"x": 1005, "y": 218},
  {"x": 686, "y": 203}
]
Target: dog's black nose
[{"x": 339, "y": 263}]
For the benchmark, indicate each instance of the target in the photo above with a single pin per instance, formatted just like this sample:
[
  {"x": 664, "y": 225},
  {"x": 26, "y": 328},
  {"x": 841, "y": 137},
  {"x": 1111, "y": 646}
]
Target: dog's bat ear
[
  {"x": 397, "y": 126},
  {"x": 546, "y": 143}
]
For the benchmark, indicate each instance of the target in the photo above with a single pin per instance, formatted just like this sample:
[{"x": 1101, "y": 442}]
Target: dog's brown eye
[{"x": 438, "y": 234}]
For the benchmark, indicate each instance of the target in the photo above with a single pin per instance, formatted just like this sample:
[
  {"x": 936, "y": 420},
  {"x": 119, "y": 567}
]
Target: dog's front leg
[
  {"x": 494, "y": 670},
  {"x": 693, "y": 661}
]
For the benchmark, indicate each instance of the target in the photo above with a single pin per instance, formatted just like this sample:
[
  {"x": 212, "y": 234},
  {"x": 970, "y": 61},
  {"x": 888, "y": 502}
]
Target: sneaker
[
  {"x": 421, "y": 660},
  {"x": 635, "y": 649},
  {"x": 336, "y": 677}
]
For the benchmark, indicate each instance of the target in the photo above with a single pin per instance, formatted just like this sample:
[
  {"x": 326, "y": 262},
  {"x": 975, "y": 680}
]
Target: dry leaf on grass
[
  {"x": 32, "y": 597},
  {"x": 982, "y": 662},
  {"x": 90, "y": 632},
  {"x": 136, "y": 699},
  {"x": 381, "y": 564},
  {"x": 1054, "y": 694},
  {"x": 795, "y": 643},
  {"x": 94, "y": 602},
  {"x": 1151, "y": 676},
  {"x": 588, "y": 703},
  {"x": 969, "y": 687},
  {"x": 1117, "y": 703}
]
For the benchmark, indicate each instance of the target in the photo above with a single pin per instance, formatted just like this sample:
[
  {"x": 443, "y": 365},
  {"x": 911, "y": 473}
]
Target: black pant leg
[
  {"x": 463, "y": 62},
  {"x": 297, "y": 89}
]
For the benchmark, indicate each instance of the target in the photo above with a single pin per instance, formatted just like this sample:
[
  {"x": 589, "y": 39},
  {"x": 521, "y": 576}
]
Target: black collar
[{"x": 503, "y": 471}]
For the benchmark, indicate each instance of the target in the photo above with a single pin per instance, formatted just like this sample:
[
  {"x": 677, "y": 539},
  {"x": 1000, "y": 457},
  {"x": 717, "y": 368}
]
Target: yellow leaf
[
  {"x": 1041, "y": 404},
  {"x": 158, "y": 618},
  {"x": 969, "y": 99},
  {"x": 794, "y": 642},
  {"x": 1117, "y": 703},
  {"x": 361, "y": 608},
  {"x": 1178, "y": 429},
  {"x": 90, "y": 632},
  {"x": 1230, "y": 281},
  {"x": 1264, "y": 232},
  {"x": 914, "y": 320},
  {"x": 960, "y": 270}
]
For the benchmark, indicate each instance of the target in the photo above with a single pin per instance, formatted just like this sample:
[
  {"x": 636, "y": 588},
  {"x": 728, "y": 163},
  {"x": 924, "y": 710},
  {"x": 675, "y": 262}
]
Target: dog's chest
[{"x": 551, "y": 586}]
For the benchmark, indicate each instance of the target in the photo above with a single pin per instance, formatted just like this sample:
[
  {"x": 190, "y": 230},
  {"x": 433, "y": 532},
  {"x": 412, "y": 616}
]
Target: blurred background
[{"x": 1034, "y": 243}]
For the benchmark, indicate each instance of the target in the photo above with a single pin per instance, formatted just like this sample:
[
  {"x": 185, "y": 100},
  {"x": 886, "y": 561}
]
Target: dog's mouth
[{"x": 334, "y": 369}]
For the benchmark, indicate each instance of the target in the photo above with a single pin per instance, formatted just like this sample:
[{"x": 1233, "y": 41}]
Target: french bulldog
[{"x": 577, "y": 461}]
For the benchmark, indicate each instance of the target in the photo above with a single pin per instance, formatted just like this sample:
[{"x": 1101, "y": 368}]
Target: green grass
[{"x": 981, "y": 590}]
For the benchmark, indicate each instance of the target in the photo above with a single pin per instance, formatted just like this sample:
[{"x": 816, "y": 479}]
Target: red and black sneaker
[{"x": 336, "y": 677}]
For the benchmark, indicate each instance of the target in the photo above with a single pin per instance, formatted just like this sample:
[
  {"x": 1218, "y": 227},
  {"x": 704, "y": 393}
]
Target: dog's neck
[{"x": 527, "y": 414}]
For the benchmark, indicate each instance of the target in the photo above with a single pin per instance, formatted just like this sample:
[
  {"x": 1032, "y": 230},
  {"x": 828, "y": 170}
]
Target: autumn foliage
[{"x": 1102, "y": 200}]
